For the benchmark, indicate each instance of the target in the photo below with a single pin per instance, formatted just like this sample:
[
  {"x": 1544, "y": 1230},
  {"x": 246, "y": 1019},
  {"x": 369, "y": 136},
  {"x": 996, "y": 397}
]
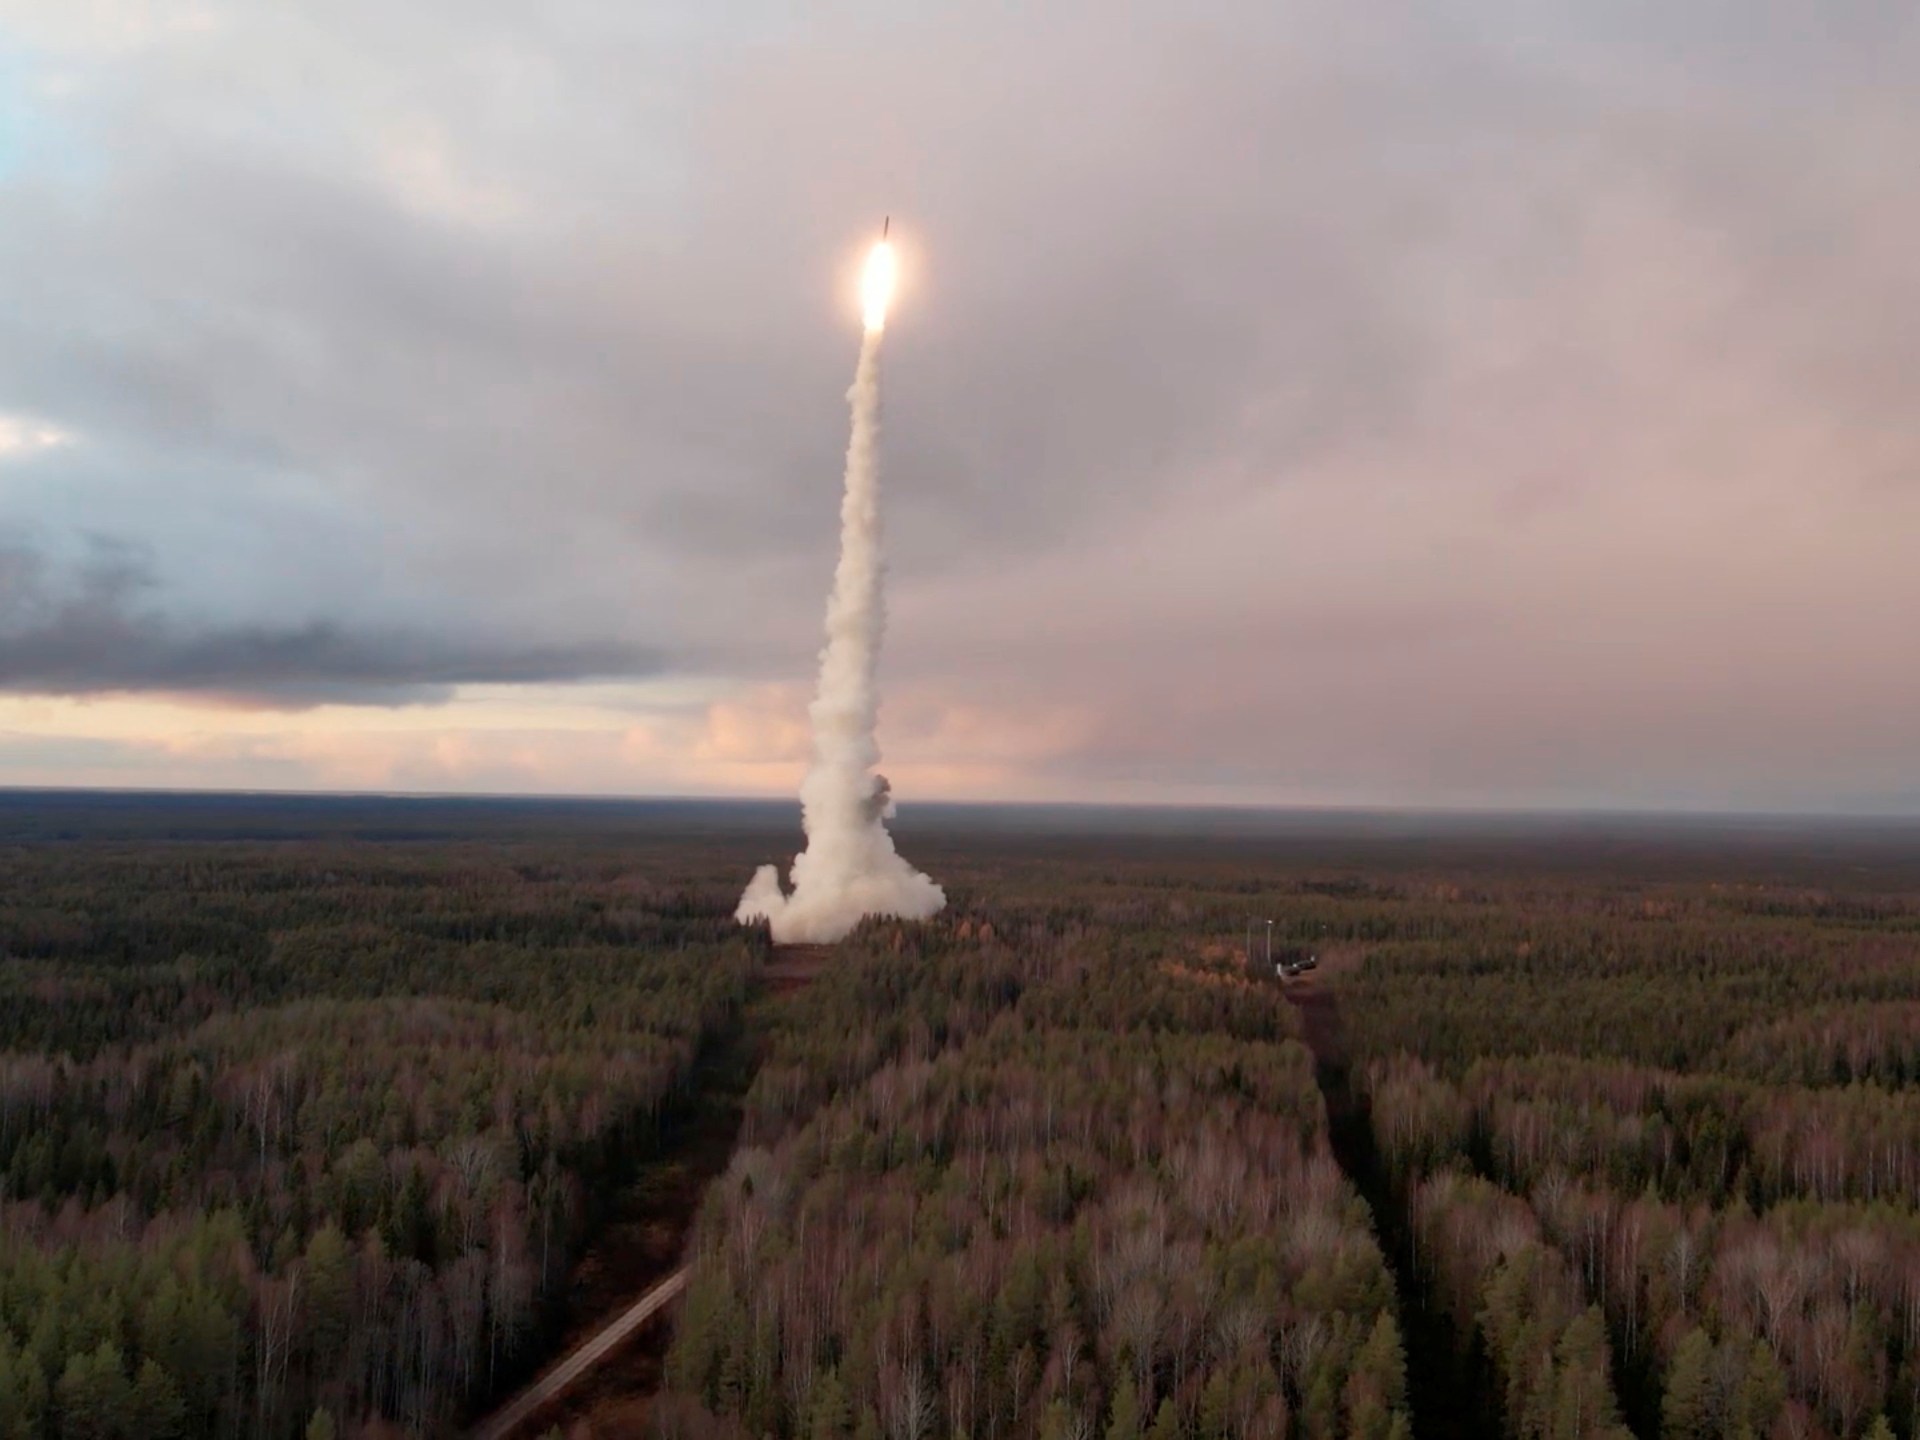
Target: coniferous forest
[
  {"x": 309, "y": 1110},
  {"x": 313, "y": 1126}
]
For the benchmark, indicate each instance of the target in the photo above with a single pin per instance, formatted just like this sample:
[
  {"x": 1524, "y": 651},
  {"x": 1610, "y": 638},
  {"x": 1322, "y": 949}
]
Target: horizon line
[{"x": 1327, "y": 809}]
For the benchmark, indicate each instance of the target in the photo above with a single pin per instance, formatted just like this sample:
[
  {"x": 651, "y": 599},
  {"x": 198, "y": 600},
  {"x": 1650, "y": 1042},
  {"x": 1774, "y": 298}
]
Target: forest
[
  {"x": 309, "y": 1110},
  {"x": 301, "y": 1136},
  {"x": 1070, "y": 1195},
  {"x": 1681, "y": 1108}
]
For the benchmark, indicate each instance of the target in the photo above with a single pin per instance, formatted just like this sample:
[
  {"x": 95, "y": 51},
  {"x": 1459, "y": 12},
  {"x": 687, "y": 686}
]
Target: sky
[{"x": 1494, "y": 404}]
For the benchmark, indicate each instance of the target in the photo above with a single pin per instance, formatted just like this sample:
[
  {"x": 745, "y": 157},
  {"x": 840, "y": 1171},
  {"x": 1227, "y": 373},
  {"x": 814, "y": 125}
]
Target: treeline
[
  {"x": 1677, "y": 1127},
  {"x": 1686, "y": 1204},
  {"x": 1514, "y": 1293},
  {"x": 1677, "y": 955},
  {"x": 1794, "y": 1322},
  {"x": 1014, "y": 1179},
  {"x": 103, "y": 946},
  {"x": 1711, "y": 1137},
  {"x": 300, "y": 1139},
  {"x": 1689, "y": 995}
]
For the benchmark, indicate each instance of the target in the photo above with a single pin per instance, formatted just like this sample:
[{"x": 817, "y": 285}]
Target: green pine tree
[
  {"x": 159, "y": 1411},
  {"x": 321, "y": 1427},
  {"x": 410, "y": 1228},
  {"x": 1584, "y": 1402},
  {"x": 1017, "y": 1321},
  {"x": 1320, "y": 1417},
  {"x": 1216, "y": 1407},
  {"x": 1763, "y": 1393},
  {"x": 196, "y": 1340},
  {"x": 1123, "y": 1414},
  {"x": 832, "y": 1415},
  {"x": 96, "y": 1402},
  {"x": 329, "y": 1295},
  {"x": 23, "y": 1392},
  {"x": 1388, "y": 1353},
  {"x": 1686, "y": 1409},
  {"x": 1377, "y": 1385}
]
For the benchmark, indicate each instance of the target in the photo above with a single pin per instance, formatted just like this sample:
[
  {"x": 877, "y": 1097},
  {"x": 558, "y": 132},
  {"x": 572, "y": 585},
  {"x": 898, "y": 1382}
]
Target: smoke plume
[{"x": 849, "y": 869}]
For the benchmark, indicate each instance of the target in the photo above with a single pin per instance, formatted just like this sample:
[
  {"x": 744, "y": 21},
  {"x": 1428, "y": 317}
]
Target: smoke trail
[{"x": 849, "y": 869}]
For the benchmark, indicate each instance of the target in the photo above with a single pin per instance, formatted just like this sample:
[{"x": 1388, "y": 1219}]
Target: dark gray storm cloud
[
  {"x": 1472, "y": 402},
  {"x": 93, "y": 630}
]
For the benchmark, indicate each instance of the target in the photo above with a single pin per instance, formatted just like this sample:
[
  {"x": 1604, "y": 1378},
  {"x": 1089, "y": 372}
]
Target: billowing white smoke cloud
[{"x": 849, "y": 869}]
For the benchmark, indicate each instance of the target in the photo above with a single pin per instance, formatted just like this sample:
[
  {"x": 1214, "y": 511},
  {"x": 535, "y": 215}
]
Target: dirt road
[
  {"x": 552, "y": 1385},
  {"x": 611, "y": 1358}
]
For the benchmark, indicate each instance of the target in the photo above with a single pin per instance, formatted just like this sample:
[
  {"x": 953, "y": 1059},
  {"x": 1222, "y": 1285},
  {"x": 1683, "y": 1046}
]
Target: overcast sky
[{"x": 1490, "y": 404}]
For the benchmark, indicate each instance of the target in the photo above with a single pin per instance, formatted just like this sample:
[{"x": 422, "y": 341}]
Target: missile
[{"x": 876, "y": 283}]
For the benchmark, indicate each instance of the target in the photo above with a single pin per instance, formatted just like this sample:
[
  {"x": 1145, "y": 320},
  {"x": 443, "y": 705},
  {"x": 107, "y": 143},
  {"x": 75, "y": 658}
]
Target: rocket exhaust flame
[
  {"x": 876, "y": 286},
  {"x": 849, "y": 869}
]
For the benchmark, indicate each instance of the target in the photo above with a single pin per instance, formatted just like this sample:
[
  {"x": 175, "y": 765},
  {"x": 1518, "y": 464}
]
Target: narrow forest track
[
  {"x": 559, "y": 1378},
  {"x": 1450, "y": 1387},
  {"x": 610, "y": 1359}
]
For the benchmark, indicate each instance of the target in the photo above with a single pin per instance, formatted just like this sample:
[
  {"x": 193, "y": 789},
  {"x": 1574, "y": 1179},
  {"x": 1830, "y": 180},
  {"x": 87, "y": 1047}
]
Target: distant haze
[{"x": 1486, "y": 405}]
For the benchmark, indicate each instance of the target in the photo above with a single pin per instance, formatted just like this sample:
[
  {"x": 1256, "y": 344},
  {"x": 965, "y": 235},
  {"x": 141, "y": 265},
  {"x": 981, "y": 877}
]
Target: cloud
[
  {"x": 94, "y": 632},
  {"x": 21, "y": 437},
  {"x": 1285, "y": 401}
]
